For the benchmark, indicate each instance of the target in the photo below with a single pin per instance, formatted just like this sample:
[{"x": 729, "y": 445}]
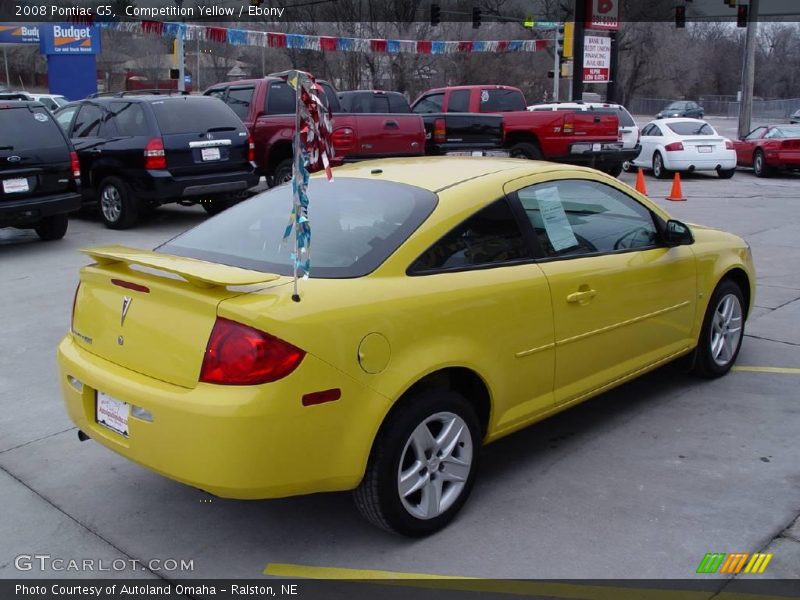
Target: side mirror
[{"x": 677, "y": 234}]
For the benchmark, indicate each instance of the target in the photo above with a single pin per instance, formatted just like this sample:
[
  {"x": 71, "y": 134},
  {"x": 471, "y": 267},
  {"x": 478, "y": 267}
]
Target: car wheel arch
[{"x": 742, "y": 280}]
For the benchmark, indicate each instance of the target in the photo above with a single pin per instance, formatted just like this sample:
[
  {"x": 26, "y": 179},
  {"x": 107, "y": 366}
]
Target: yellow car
[{"x": 451, "y": 302}]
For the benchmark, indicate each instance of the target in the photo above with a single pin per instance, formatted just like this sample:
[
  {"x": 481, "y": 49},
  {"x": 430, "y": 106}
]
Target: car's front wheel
[
  {"x": 118, "y": 207},
  {"x": 658, "y": 167},
  {"x": 722, "y": 333},
  {"x": 422, "y": 465}
]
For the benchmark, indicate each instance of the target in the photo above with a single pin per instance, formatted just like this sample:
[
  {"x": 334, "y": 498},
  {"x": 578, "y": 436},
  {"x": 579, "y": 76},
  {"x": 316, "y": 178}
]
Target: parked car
[
  {"x": 685, "y": 145},
  {"x": 51, "y": 102},
  {"x": 267, "y": 108},
  {"x": 795, "y": 118},
  {"x": 770, "y": 149},
  {"x": 9, "y": 95},
  {"x": 571, "y": 136},
  {"x": 451, "y": 302},
  {"x": 39, "y": 172},
  {"x": 682, "y": 108},
  {"x": 627, "y": 126},
  {"x": 373, "y": 101},
  {"x": 138, "y": 152}
]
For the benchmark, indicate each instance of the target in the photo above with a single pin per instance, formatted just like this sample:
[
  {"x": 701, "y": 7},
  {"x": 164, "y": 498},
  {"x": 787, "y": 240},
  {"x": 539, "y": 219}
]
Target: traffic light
[
  {"x": 560, "y": 41},
  {"x": 731, "y": 3},
  {"x": 476, "y": 17},
  {"x": 436, "y": 14},
  {"x": 680, "y": 17},
  {"x": 569, "y": 38},
  {"x": 741, "y": 16}
]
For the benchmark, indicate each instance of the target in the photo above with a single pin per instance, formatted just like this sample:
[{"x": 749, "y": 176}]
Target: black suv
[
  {"x": 140, "y": 151},
  {"x": 39, "y": 173}
]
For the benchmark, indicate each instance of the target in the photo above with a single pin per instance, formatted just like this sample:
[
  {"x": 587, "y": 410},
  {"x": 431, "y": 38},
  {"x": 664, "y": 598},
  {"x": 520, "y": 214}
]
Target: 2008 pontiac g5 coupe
[{"x": 451, "y": 302}]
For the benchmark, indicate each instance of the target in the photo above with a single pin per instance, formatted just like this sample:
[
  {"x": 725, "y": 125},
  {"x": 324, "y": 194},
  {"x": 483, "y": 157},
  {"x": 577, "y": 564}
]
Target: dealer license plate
[
  {"x": 210, "y": 153},
  {"x": 705, "y": 149},
  {"x": 15, "y": 186},
  {"x": 112, "y": 413}
]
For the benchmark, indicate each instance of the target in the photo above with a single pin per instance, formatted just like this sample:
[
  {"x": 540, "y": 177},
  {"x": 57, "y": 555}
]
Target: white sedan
[{"x": 685, "y": 145}]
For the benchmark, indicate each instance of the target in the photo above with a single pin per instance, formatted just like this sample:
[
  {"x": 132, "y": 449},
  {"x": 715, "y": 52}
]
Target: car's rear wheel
[
  {"x": 422, "y": 466},
  {"x": 117, "y": 205},
  {"x": 614, "y": 170},
  {"x": 627, "y": 166},
  {"x": 214, "y": 206},
  {"x": 525, "y": 150},
  {"x": 722, "y": 333},
  {"x": 726, "y": 173},
  {"x": 658, "y": 167},
  {"x": 52, "y": 228},
  {"x": 760, "y": 167},
  {"x": 283, "y": 172}
]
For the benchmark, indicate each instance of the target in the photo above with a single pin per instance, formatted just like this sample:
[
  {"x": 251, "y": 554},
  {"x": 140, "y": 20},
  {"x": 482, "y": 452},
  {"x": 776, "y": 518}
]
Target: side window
[
  {"x": 398, "y": 104},
  {"x": 129, "y": 118},
  {"x": 459, "y": 101},
  {"x": 280, "y": 99},
  {"x": 656, "y": 131},
  {"x": 216, "y": 93},
  {"x": 64, "y": 118},
  {"x": 573, "y": 217},
  {"x": 431, "y": 103},
  {"x": 647, "y": 130},
  {"x": 88, "y": 122},
  {"x": 489, "y": 237},
  {"x": 756, "y": 133},
  {"x": 239, "y": 100}
]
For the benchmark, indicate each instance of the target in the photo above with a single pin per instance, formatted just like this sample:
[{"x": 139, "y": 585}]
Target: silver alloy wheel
[
  {"x": 758, "y": 163},
  {"x": 111, "y": 203},
  {"x": 627, "y": 166},
  {"x": 658, "y": 165},
  {"x": 435, "y": 465},
  {"x": 726, "y": 329}
]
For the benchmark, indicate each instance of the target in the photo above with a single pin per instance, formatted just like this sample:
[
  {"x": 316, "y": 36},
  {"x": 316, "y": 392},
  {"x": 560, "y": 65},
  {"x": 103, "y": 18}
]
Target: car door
[
  {"x": 745, "y": 148},
  {"x": 503, "y": 308},
  {"x": 651, "y": 135},
  {"x": 622, "y": 300},
  {"x": 86, "y": 137}
]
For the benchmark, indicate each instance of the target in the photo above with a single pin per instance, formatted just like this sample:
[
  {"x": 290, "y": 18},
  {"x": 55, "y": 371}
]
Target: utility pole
[
  {"x": 748, "y": 70},
  {"x": 577, "y": 59},
  {"x": 611, "y": 89},
  {"x": 5, "y": 61},
  {"x": 557, "y": 62},
  {"x": 179, "y": 42}
]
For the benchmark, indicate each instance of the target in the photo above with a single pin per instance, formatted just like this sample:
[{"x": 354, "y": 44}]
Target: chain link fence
[{"x": 722, "y": 106}]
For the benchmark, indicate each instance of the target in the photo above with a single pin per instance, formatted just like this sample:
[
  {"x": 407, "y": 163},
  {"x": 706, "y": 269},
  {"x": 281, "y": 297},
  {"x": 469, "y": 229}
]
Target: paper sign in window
[{"x": 555, "y": 220}]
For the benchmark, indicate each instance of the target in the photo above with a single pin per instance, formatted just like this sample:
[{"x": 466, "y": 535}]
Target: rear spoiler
[{"x": 199, "y": 273}]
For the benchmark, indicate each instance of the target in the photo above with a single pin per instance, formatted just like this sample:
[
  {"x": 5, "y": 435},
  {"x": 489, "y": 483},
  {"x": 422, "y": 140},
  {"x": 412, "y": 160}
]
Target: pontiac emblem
[
  {"x": 13, "y": 158},
  {"x": 126, "y": 304}
]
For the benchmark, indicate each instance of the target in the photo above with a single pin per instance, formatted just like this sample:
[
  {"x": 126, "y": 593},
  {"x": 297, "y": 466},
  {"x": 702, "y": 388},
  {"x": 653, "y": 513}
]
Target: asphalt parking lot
[{"x": 640, "y": 482}]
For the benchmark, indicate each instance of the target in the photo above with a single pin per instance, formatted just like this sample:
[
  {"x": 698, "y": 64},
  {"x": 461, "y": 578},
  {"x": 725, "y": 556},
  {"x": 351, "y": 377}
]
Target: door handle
[
  {"x": 597, "y": 119},
  {"x": 391, "y": 125},
  {"x": 95, "y": 151},
  {"x": 582, "y": 297}
]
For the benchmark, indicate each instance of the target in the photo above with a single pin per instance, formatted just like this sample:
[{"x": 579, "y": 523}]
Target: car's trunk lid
[{"x": 153, "y": 313}]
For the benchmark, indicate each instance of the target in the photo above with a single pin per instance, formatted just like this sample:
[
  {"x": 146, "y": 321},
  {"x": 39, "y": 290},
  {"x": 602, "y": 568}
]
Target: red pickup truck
[
  {"x": 571, "y": 136},
  {"x": 267, "y": 108}
]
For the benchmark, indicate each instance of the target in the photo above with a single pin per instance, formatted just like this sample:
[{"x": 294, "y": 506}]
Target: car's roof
[
  {"x": 5, "y": 103},
  {"x": 679, "y": 120},
  {"x": 436, "y": 173}
]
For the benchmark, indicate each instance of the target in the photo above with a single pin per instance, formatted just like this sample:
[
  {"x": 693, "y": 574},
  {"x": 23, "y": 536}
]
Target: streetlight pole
[
  {"x": 748, "y": 70},
  {"x": 179, "y": 42},
  {"x": 577, "y": 58}
]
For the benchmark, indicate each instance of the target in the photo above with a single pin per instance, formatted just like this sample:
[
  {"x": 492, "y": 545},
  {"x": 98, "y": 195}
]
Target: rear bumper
[
  {"x": 32, "y": 210},
  {"x": 461, "y": 148},
  {"x": 783, "y": 158},
  {"x": 164, "y": 187},
  {"x": 606, "y": 153},
  {"x": 242, "y": 442}
]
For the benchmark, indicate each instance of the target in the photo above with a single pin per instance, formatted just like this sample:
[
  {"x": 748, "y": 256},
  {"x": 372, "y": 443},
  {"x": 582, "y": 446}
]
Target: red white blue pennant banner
[{"x": 322, "y": 43}]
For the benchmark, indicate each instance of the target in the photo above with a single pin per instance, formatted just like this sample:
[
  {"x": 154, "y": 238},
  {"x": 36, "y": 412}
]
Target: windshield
[
  {"x": 355, "y": 225},
  {"x": 28, "y": 128},
  {"x": 677, "y": 106},
  {"x": 691, "y": 128}
]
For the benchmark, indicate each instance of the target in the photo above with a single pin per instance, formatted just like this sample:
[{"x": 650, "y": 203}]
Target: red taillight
[
  {"x": 728, "y": 145},
  {"x": 154, "y": 155},
  {"x": 344, "y": 141},
  {"x": 251, "y": 148},
  {"x": 569, "y": 123},
  {"x": 129, "y": 285},
  {"x": 790, "y": 144},
  {"x": 439, "y": 131},
  {"x": 240, "y": 355},
  {"x": 74, "y": 302},
  {"x": 674, "y": 147},
  {"x": 74, "y": 165}
]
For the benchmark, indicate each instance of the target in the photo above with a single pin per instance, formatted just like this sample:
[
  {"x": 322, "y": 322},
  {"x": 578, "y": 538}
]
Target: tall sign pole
[
  {"x": 611, "y": 90},
  {"x": 577, "y": 61},
  {"x": 748, "y": 70}
]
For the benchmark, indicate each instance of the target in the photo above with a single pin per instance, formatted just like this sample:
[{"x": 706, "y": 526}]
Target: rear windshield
[
  {"x": 786, "y": 131},
  {"x": 27, "y": 128},
  {"x": 625, "y": 119},
  {"x": 690, "y": 128},
  {"x": 197, "y": 114},
  {"x": 502, "y": 101},
  {"x": 355, "y": 225}
]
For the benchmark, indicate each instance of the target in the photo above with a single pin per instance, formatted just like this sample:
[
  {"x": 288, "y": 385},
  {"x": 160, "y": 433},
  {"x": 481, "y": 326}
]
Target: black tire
[
  {"x": 760, "y": 167},
  {"x": 214, "y": 206},
  {"x": 704, "y": 364},
  {"x": 726, "y": 173},
  {"x": 118, "y": 207},
  {"x": 52, "y": 228},
  {"x": 627, "y": 166},
  {"x": 614, "y": 170},
  {"x": 659, "y": 170},
  {"x": 378, "y": 497},
  {"x": 525, "y": 150},
  {"x": 283, "y": 172}
]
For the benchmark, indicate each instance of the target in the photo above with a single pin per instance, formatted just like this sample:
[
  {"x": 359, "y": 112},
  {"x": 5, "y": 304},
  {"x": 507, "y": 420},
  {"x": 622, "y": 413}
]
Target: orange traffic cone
[
  {"x": 676, "y": 194},
  {"x": 641, "y": 187}
]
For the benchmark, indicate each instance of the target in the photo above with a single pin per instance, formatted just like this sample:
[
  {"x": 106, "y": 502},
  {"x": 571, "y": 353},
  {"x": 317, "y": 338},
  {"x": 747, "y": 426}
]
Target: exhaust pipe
[{"x": 82, "y": 436}]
